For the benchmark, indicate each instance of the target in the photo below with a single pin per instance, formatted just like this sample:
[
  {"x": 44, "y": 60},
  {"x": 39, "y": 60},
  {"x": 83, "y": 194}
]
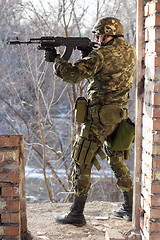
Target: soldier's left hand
[{"x": 50, "y": 55}]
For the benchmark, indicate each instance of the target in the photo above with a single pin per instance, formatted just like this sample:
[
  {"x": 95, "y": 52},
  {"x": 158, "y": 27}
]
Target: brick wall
[
  {"x": 150, "y": 192},
  {"x": 13, "y": 224}
]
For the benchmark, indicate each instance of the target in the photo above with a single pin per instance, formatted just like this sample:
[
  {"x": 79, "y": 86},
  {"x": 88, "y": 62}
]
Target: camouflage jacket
[{"x": 109, "y": 69}]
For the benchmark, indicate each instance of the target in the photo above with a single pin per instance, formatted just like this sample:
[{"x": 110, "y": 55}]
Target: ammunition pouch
[
  {"x": 107, "y": 114},
  {"x": 124, "y": 137},
  {"x": 112, "y": 114},
  {"x": 81, "y": 110},
  {"x": 85, "y": 151}
]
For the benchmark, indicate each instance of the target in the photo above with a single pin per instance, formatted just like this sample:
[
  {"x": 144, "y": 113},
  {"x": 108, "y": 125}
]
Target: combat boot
[
  {"x": 125, "y": 211},
  {"x": 75, "y": 216}
]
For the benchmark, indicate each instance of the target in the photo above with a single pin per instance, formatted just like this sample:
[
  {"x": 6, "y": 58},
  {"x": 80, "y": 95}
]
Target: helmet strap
[
  {"x": 104, "y": 38},
  {"x": 110, "y": 41},
  {"x": 107, "y": 43}
]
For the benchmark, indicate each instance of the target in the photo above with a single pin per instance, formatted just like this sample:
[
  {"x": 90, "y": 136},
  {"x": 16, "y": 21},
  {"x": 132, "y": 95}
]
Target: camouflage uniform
[{"x": 110, "y": 71}]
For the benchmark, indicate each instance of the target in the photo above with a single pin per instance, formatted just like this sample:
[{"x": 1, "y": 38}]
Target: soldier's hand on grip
[
  {"x": 85, "y": 52},
  {"x": 50, "y": 55}
]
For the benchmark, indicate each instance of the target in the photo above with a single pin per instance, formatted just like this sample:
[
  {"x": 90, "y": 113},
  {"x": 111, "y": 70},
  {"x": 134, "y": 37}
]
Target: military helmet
[{"x": 108, "y": 26}]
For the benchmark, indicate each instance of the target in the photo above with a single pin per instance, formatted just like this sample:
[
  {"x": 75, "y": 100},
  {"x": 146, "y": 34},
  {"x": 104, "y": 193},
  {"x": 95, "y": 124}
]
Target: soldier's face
[{"x": 99, "y": 38}]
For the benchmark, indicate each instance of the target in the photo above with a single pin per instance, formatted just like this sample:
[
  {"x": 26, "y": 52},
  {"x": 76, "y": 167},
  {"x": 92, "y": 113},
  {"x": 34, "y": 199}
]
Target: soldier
[{"x": 110, "y": 71}]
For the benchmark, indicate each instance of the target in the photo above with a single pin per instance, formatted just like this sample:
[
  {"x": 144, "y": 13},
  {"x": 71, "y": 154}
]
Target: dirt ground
[{"x": 41, "y": 223}]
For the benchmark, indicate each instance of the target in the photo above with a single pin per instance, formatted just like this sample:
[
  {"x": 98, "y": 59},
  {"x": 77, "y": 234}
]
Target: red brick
[
  {"x": 157, "y": 61},
  {"x": 154, "y": 213},
  {"x": 7, "y": 165},
  {"x": 10, "y": 206},
  {"x": 11, "y": 177},
  {"x": 10, "y": 192},
  {"x": 155, "y": 188},
  {"x": 154, "y": 226},
  {"x": 13, "y": 205},
  {"x": 9, "y": 156},
  {"x": 156, "y": 162},
  {"x": 10, "y": 218},
  {"x": 156, "y": 126},
  {"x": 156, "y": 86},
  {"x": 156, "y": 174},
  {"x": 11, "y": 230},
  {"x": 157, "y": 73},
  {"x": 155, "y": 201},
  {"x": 156, "y": 149},
  {"x": 10, "y": 140},
  {"x": 156, "y": 112},
  {"x": 154, "y": 236},
  {"x": 156, "y": 99}
]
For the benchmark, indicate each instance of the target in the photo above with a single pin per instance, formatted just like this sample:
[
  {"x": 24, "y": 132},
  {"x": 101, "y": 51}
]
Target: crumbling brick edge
[{"x": 13, "y": 219}]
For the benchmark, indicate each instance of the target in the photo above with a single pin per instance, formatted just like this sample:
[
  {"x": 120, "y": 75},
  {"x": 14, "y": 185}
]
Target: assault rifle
[{"x": 49, "y": 43}]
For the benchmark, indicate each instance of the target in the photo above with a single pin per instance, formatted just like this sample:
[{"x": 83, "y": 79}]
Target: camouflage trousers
[{"x": 90, "y": 142}]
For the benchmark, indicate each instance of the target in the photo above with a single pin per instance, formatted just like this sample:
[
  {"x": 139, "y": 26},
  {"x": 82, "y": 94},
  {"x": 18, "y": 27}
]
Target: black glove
[
  {"x": 50, "y": 55},
  {"x": 85, "y": 52}
]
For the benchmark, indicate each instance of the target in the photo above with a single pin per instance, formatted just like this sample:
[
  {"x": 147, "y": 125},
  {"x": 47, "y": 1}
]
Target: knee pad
[
  {"x": 122, "y": 173},
  {"x": 125, "y": 182}
]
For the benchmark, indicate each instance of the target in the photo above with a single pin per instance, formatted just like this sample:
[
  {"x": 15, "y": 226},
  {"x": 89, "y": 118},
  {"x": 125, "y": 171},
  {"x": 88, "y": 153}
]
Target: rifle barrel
[{"x": 17, "y": 42}]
